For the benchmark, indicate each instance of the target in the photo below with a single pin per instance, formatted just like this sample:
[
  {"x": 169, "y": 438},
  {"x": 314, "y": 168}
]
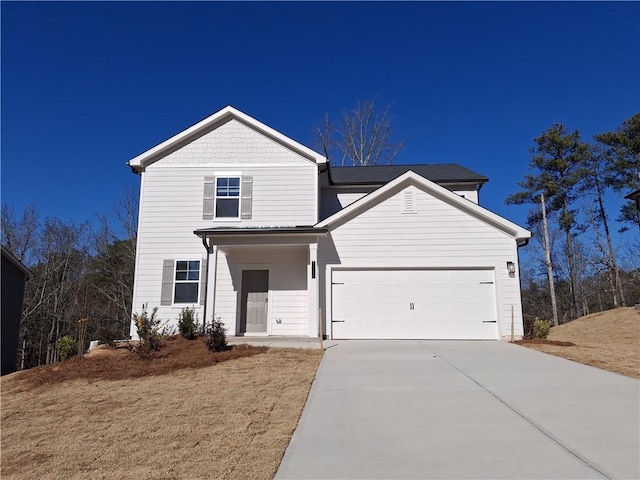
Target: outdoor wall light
[{"x": 511, "y": 268}]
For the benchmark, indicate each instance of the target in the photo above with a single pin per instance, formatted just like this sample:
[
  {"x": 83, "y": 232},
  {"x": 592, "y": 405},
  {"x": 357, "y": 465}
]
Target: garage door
[{"x": 414, "y": 304}]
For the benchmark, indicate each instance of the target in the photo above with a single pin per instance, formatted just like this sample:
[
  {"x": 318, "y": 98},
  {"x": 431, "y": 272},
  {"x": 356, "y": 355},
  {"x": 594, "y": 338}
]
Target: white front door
[
  {"x": 414, "y": 304},
  {"x": 255, "y": 301}
]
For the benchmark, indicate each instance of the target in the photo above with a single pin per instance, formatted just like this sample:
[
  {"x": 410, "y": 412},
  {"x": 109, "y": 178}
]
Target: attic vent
[{"x": 409, "y": 202}]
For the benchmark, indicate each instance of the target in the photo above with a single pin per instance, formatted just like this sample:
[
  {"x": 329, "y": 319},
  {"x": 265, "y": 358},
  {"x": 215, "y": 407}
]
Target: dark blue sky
[{"x": 87, "y": 86}]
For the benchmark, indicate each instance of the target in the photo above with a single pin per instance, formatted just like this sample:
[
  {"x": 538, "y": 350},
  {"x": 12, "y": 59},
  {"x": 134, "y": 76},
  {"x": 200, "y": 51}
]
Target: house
[
  {"x": 250, "y": 227},
  {"x": 14, "y": 275}
]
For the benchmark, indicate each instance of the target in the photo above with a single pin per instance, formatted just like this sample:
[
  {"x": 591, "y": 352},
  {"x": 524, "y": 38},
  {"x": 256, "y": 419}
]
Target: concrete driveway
[{"x": 454, "y": 409}]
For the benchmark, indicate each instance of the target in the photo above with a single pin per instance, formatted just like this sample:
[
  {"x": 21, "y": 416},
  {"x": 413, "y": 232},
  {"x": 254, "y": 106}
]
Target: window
[
  {"x": 227, "y": 197},
  {"x": 187, "y": 281}
]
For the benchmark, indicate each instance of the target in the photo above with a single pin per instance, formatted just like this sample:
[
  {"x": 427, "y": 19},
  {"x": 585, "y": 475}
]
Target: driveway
[{"x": 453, "y": 409}]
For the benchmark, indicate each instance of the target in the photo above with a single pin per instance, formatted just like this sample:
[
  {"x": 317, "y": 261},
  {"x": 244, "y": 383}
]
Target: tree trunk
[
  {"x": 612, "y": 253},
  {"x": 547, "y": 252},
  {"x": 571, "y": 260}
]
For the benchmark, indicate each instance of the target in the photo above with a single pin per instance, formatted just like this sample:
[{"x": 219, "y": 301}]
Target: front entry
[{"x": 255, "y": 306}]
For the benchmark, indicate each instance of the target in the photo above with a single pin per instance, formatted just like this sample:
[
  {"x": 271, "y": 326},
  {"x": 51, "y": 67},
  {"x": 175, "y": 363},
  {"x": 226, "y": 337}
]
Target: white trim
[
  {"x": 140, "y": 162},
  {"x": 133, "y": 332},
  {"x": 412, "y": 178}
]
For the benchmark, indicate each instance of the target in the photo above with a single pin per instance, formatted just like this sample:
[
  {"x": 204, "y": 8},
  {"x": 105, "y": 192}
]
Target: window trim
[
  {"x": 176, "y": 281},
  {"x": 218, "y": 175}
]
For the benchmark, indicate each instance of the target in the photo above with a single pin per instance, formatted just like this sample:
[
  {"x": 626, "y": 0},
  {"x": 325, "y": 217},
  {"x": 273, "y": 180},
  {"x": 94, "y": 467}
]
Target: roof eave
[{"x": 229, "y": 232}]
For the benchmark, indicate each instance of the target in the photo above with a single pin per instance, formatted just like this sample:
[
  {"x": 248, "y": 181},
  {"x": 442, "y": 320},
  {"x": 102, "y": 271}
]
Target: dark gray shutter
[
  {"x": 208, "y": 198},
  {"x": 203, "y": 281},
  {"x": 247, "y": 194},
  {"x": 166, "y": 294}
]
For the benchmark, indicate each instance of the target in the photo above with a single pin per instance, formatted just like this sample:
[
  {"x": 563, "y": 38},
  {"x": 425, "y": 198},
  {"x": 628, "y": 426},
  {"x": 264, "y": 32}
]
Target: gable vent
[{"x": 409, "y": 202}]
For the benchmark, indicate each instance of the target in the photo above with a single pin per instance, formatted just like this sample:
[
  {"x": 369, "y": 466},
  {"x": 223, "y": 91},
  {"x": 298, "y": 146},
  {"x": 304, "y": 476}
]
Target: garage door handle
[
  {"x": 489, "y": 321},
  {"x": 486, "y": 283},
  {"x": 337, "y": 321}
]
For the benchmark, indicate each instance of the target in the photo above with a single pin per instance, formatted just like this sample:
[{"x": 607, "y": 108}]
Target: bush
[
  {"x": 67, "y": 347},
  {"x": 188, "y": 323},
  {"x": 217, "y": 341},
  {"x": 148, "y": 327},
  {"x": 541, "y": 328}
]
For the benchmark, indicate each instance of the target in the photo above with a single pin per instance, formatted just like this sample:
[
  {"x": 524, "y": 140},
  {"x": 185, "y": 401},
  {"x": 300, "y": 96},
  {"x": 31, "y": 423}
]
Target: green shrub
[
  {"x": 148, "y": 327},
  {"x": 540, "y": 328},
  {"x": 188, "y": 323},
  {"x": 67, "y": 347},
  {"x": 217, "y": 336}
]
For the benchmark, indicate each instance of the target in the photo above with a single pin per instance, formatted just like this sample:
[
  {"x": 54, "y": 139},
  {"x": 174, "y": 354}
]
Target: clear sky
[{"x": 88, "y": 86}]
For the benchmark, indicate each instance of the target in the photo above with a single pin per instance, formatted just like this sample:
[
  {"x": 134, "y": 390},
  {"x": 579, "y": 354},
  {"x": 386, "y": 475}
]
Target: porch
[{"x": 263, "y": 283}]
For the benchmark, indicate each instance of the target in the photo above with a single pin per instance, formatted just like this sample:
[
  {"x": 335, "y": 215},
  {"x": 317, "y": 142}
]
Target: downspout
[{"x": 207, "y": 247}]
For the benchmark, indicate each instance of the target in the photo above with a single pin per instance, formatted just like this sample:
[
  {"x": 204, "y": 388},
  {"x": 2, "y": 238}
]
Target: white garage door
[{"x": 414, "y": 304}]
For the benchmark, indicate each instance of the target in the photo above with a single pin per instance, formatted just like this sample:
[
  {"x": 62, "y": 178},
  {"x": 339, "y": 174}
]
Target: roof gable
[
  {"x": 412, "y": 178},
  {"x": 140, "y": 162}
]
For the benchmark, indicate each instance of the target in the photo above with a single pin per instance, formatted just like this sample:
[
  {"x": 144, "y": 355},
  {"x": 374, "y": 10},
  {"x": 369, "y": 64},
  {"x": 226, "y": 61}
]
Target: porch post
[
  {"x": 313, "y": 289},
  {"x": 213, "y": 277}
]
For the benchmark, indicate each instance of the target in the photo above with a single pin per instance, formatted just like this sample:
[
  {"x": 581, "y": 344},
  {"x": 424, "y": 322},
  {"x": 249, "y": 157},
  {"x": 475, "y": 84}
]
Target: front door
[{"x": 255, "y": 289}]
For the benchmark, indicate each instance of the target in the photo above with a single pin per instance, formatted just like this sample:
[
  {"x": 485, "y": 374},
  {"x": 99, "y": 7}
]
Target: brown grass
[
  {"x": 189, "y": 417},
  {"x": 609, "y": 340}
]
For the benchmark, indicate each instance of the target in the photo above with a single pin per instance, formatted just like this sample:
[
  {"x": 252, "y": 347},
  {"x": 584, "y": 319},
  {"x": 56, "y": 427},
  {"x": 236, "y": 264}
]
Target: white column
[
  {"x": 211, "y": 281},
  {"x": 313, "y": 289}
]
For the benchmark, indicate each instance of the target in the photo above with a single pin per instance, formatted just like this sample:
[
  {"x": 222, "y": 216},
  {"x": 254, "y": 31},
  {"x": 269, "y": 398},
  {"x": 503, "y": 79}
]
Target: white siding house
[{"x": 255, "y": 229}]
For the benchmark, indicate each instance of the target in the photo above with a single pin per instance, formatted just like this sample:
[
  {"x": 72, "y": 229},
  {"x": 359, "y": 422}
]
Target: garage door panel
[{"x": 408, "y": 304}]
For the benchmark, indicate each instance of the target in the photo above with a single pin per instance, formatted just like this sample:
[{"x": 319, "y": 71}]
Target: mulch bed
[{"x": 175, "y": 353}]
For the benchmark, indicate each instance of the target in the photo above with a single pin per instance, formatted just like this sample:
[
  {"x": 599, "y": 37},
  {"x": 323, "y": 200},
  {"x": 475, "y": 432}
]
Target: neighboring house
[
  {"x": 14, "y": 275},
  {"x": 251, "y": 227}
]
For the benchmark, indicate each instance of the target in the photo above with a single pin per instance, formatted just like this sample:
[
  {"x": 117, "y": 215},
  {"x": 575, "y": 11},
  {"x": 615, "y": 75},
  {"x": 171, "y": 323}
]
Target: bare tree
[
  {"x": 20, "y": 236},
  {"x": 362, "y": 138},
  {"x": 112, "y": 268}
]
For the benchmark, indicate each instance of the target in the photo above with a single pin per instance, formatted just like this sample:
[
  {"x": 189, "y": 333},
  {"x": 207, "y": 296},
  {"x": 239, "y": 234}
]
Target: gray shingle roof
[{"x": 381, "y": 174}]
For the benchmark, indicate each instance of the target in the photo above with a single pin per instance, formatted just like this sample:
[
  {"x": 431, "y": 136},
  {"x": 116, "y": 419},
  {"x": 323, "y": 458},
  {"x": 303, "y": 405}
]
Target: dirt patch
[
  {"x": 185, "y": 420},
  {"x": 609, "y": 340}
]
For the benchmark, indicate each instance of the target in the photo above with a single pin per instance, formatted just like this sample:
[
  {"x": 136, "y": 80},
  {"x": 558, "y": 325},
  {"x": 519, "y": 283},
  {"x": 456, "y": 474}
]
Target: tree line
[
  {"x": 80, "y": 271},
  {"x": 577, "y": 268}
]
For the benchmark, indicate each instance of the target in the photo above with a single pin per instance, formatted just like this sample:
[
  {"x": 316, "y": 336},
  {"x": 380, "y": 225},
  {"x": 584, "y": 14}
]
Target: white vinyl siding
[
  {"x": 440, "y": 235},
  {"x": 334, "y": 199},
  {"x": 288, "y": 296},
  {"x": 172, "y": 202}
]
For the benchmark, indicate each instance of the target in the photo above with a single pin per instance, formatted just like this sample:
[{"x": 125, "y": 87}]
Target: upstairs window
[
  {"x": 227, "y": 198},
  {"x": 187, "y": 281}
]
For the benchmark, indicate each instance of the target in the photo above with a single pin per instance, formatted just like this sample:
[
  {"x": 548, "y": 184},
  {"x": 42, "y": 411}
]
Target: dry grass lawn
[
  {"x": 215, "y": 420},
  {"x": 609, "y": 340}
]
